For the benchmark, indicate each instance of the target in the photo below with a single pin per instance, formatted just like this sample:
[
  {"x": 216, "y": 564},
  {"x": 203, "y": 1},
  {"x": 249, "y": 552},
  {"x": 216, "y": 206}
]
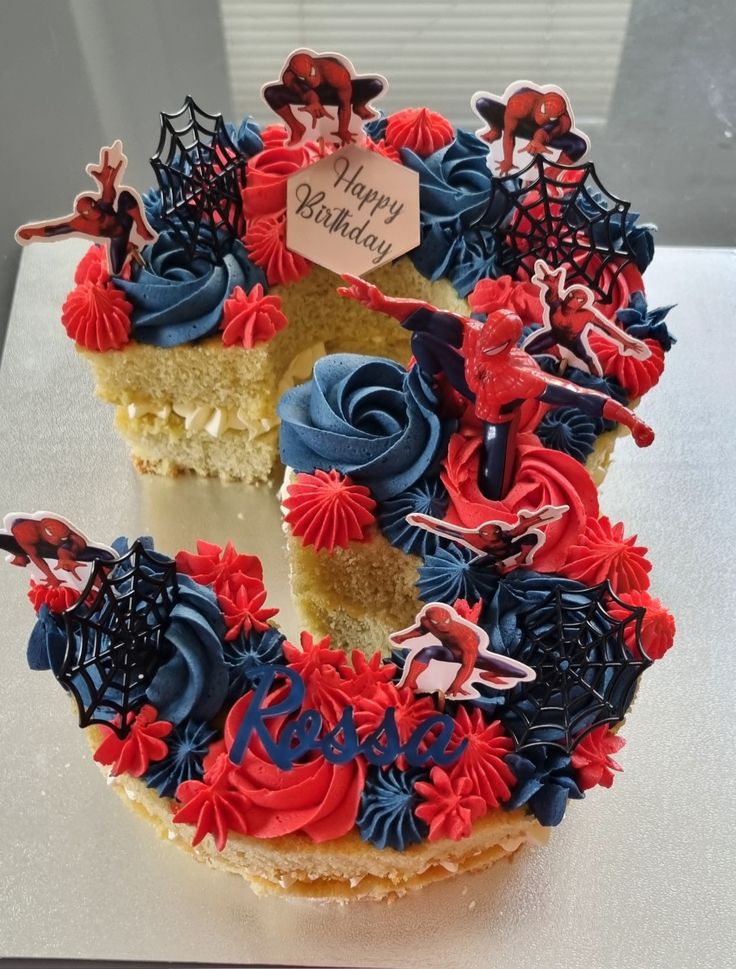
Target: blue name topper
[{"x": 341, "y": 744}]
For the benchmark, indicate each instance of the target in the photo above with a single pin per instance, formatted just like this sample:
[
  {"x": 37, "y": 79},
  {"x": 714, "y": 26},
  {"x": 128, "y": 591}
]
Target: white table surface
[{"x": 640, "y": 876}]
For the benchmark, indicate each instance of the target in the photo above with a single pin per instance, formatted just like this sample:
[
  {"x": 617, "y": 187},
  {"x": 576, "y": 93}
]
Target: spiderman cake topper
[
  {"x": 56, "y": 551},
  {"x": 528, "y": 120},
  {"x": 321, "y": 97},
  {"x": 113, "y": 215},
  {"x": 449, "y": 654},
  {"x": 200, "y": 173},
  {"x": 569, "y": 317}
]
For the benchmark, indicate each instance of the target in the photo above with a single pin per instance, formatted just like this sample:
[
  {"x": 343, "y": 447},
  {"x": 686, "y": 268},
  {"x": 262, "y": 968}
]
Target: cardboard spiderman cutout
[
  {"x": 312, "y": 83},
  {"x": 529, "y": 120},
  {"x": 448, "y": 654},
  {"x": 49, "y": 544},
  {"x": 570, "y": 315},
  {"x": 114, "y": 215},
  {"x": 497, "y": 544},
  {"x": 483, "y": 362}
]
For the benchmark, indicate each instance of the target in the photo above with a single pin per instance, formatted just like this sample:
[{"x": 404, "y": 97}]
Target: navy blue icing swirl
[
  {"x": 246, "y": 654},
  {"x": 177, "y": 299},
  {"x": 194, "y": 681},
  {"x": 188, "y": 745},
  {"x": 568, "y": 430},
  {"x": 545, "y": 782},
  {"x": 645, "y": 324},
  {"x": 247, "y": 136},
  {"x": 47, "y": 642},
  {"x": 367, "y": 417},
  {"x": 617, "y": 231},
  {"x": 450, "y": 574},
  {"x": 386, "y": 816},
  {"x": 427, "y": 497}
]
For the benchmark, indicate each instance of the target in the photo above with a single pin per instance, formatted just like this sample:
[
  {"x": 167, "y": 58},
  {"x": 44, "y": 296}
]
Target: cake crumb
[{"x": 472, "y": 905}]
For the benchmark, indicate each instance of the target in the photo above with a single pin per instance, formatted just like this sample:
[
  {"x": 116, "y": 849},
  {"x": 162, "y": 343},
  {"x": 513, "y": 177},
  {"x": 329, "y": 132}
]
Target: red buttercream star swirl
[
  {"x": 58, "y": 598},
  {"x": 328, "y": 510},
  {"x": 324, "y": 672},
  {"x": 449, "y": 807},
  {"x": 604, "y": 552},
  {"x": 143, "y": 744},
  {"x": 636, "y": 376},
  {"x": 409, "y": 712},
  {"x": 367, "y": 676},
  {"x": 265, "y": 240},
  {"x": 274, "y": 136},
  {"x": 507, "y": 293},
  {"x": 224, "y": 569},
  {"x": 592, "y": 758},
  {"x": 213, "y": 805},
  {"x": 482, "y": 761},
  {"x": 265, "y": 179},
  {"x": 97, "y": 317},
  {"x": 542, "y": 477},
  {"x": 315, "y": 797},
  {"x": 251, "y": 318},
  {"x": 419, "y": 129},
  {"x": 381, "y": 148},
  {"x": 657, "y": 627},
  {"x": 243, "y": 608}
]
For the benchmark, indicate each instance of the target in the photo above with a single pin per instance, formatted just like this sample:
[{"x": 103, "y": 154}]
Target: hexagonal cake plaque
[{"x": 353, "y": 211}]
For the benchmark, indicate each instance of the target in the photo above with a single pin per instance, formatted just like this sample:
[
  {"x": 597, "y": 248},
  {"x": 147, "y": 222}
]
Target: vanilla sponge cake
[{"x": 317, "y": 774}]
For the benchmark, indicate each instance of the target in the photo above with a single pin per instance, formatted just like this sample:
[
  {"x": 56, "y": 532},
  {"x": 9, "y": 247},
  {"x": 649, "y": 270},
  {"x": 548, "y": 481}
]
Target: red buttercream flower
[
  {"x": 322, "y": 669},
  {"x": 542, "y": 477},
  {"x": 421, "y": 130},
  {"x": 472, "y": 613},
  {"x": 328, "y": 510},
  {"x": 482, "y": 761},
  {"x": 224, "y": 569},
  {"x": 449, "y": 807},
  {"x": 636, "y": 376},
  {"x": 274, "y": 136},
  {"x": 604, "y": 552},
  {"x": 315, "y": 797},
  {"x": 409, "y": 710},
  {"x": 143, "y": 744},
  {"x": 213, "y": 805},
  {"x": 251, "y": 318},
  {"x": 58, "y": 598},
  {"x": 265, "y": 240},
  {"x": 243, "y": 608},
  {"x": 592, "y": 758},
  {"x": 507, "y": 293},
  {"x": 265, "y": 179},
  {"x": 381, "y": 148},
  {"x": 97, "y": 317},
  {"x": 367, "y": 676},
  {"x": 657, "y": 627}
]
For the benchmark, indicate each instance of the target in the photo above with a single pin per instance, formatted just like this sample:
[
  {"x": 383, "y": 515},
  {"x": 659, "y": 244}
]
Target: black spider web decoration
[
  {"x": 114, "y": 635},
  {"x": 200, "y": 172},
  {"x": 585, "y": 674},
  {"x": 574, "y": 223}
]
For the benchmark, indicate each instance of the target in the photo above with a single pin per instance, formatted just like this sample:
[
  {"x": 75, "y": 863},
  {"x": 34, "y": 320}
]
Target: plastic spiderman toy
[
  {"x": 569, "y": 317},
  {"x": 314, "y": 81},
  {"x": 115, "y": 215},
  {"x": 484, "y": 363}
]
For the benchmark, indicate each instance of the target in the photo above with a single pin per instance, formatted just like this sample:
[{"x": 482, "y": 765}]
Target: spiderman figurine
[
  {"x": 315, "y": 81},
  {"x": 569, "y": 317},
  {"x": 115, "y": 215},
  {"x": 483, "y": 362},
  {"x": 543, "y": 117},
  {"x": 458, "y": 641}
]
